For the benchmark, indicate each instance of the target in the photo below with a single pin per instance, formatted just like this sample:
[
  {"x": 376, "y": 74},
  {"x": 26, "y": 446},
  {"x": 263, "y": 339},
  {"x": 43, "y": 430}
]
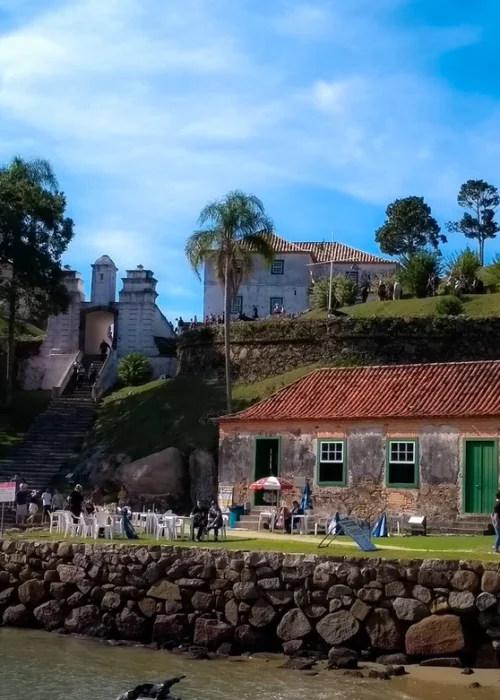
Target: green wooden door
[
  {"x": 267, "y": 463},
  {"x": 481, "y": 475}
]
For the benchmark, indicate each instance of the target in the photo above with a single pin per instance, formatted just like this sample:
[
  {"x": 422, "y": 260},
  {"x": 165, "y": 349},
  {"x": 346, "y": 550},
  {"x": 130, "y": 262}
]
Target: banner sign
[
  {"x": 353, "y": 530},
  {"x": 225, "y": 498},
  {"x": 7, "y": 492}
]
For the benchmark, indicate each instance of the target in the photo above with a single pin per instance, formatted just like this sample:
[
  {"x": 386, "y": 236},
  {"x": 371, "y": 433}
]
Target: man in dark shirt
[
  {"x": 75, "y": 501},
  {"x": 22, "y": 497},
  {"x": 495, "y": 518}
]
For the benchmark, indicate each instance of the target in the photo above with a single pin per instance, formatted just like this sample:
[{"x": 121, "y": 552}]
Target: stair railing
[
  {"x": 58, "y": 389},
  {"x": 107, "y": 376}
]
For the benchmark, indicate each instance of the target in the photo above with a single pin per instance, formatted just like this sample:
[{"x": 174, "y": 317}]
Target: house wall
[
  {"x": 439, "y": 495},
  {"x": 366, "y": 271},
  {"x": 292, "y": 286}
]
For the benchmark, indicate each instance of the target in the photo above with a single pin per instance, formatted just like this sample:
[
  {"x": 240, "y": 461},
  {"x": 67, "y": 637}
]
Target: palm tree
[
  {"x": 232, "y": 230},
  {"x": 38, "y": 173}
]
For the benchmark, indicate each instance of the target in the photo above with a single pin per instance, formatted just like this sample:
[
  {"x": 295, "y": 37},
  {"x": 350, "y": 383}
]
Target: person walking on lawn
[{"x": 495, "y": 519}]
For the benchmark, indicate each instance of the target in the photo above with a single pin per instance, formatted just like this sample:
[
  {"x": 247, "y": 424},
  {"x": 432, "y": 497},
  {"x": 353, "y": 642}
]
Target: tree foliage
[
  {"x": 134, "y": 369},
  {"x": 34, "y": 233},
  {"x": 344, "y": 292},
  {"x": 416, "y": 269},
  {"x": 232, "y": 231},
  {"x": 409, "y": 227},
  {"x": 481, "y": 200},
  {"x": 465, "y": 264}
]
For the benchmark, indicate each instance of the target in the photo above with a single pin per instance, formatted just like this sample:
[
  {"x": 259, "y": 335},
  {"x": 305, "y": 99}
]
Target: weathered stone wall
[
  {"x": 238, "y": 601},
  {"x": 439, "y": 495},
  {"x": 269, "y": 348}
]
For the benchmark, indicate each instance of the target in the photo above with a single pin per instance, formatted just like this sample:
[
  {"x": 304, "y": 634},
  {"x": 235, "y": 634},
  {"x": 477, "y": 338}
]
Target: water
[{"x": 39, "y": 666}]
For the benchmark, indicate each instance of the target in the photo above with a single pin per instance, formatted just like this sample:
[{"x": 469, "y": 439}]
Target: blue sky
[{"x": 326, "y": 109}]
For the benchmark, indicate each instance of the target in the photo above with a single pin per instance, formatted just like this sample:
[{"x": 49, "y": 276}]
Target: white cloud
[{"x": 150, "y": 108}]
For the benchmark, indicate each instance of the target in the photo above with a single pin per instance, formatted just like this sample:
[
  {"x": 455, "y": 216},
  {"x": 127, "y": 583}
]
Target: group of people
[
  {"x": 388, "y": 291},
  {"x": 82, "y": 375},
  {"x": 29, "y": 503},
  {"x": 461, "y": 285},
  {"x": 206, "y": 519}
]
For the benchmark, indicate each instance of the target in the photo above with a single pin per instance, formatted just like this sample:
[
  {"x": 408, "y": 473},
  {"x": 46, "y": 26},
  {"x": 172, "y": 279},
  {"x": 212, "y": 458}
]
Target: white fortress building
[
  {"x": 289, "y": 279},
  {"x": 128, "y": 325}
]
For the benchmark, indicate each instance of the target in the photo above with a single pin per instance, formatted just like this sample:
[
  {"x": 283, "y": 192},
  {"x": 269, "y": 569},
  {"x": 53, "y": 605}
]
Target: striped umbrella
[{"x": 271, "y": 483}]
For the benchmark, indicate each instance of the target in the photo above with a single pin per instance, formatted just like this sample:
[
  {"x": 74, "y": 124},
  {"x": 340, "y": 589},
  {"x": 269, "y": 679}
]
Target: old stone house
[
  {"x": 288, "y": 281},
  {"x": 400, "y": 439}
]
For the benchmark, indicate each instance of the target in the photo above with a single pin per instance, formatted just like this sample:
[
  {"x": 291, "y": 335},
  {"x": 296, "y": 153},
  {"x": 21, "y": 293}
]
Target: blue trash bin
[{"x": 234, "y": 516}]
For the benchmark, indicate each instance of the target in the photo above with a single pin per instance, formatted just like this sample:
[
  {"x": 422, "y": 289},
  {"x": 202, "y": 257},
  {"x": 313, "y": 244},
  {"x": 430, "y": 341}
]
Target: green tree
[
  {"x": 481, "y": 200},
  {"x": 465, "y": 264},
  {"x": 34, "y": 233},
  {"x": 232, "y": 231},
  {"x": 409, "y": 227},
  {"x": 414, "y": 271}
]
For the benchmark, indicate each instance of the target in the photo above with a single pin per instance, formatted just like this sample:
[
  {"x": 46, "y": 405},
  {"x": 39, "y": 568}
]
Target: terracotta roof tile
[
  {"x": 339, "y": 252},
  {"x": 456, "y": 389}
]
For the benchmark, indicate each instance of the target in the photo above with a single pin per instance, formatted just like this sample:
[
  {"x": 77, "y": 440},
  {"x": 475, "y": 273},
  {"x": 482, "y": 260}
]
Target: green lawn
[
  {"x": 475, "y": 306},
  {"x": 17, "y": 418},
  {"x": 478, "y": 548}
]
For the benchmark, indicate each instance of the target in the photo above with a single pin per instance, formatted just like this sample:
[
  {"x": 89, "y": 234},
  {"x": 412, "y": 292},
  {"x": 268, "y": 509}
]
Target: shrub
[
  {"x": 450, "y": 306},
  {"x": 491, "y": 275},
  {"x": 135, "y": 369},
  {"x": 465, "y": 264},
  {"x": 344, "y": 290},
  {"x": 416, "y": 269}
]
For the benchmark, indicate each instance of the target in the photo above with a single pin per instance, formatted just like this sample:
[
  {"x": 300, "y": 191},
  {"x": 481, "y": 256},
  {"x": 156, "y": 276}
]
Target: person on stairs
[
  {"x": 80, "y": 375},
  {"x": 92, "y": 375},
  {"x": 104, "y": 349}
]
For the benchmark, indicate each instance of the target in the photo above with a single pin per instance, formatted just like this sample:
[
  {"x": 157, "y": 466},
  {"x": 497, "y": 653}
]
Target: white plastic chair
[
  {"x": 57, "y": 521},
  {"x": 266, "y": 516},
  {"x": 70, "y": 526},
  {"x": 103, "y": 521},
  {"x": 164, "y": 528}
]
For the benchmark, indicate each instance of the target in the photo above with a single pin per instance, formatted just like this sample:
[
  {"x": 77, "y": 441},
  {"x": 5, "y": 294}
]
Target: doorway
[
  {"x": 480, "y": 476},
  {"x": 266, "y": 463}
]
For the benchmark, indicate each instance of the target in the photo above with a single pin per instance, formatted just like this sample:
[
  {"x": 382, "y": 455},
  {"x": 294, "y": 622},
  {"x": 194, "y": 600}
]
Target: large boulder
[
  {"x": 170, "y": 628},
  {"x": 202, "y": 476},
  {"x": 293, "y": 625},
  {"x": 410, "y": 610},
  {"x": 262, "y": 614},
  {"x": 438, "y": 635},
  {"x": 32, "y": 593},
  {"x": 338, "y": 628},
  {"x": 384, "y": 630},
  {"x": 49, "y": 615},
  {"x": 162, "y": 473},
  {"x": 165, "y": 590},
  {"x": 212, "y": 633},
  {"x": 130, "y": 625},
  {"x": 84, "y": 620},
  {"x": 18, "y": 616}
]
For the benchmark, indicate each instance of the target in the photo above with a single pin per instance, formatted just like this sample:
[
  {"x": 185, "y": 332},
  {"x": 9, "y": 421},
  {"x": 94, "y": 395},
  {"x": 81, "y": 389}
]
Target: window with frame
[
  {"x": 237, "y": 305},
  {"x": 402, "y": 463},
  {"x": 278, "y": 267},
  {"x": 331, "y": 463}
]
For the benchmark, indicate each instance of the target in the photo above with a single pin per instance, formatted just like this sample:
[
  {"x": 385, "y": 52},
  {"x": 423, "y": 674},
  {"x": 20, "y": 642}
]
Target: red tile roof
[
  {"x": 339, "y": 252},
  {"x": 324, "y": 252},
  {"x": 455, "y": 389}
]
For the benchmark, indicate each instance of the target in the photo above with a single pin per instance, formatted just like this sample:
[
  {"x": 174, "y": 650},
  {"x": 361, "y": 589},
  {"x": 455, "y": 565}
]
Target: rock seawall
[
  {"x": 247, "y": 601},
  {"x": 269, "y": 348}
]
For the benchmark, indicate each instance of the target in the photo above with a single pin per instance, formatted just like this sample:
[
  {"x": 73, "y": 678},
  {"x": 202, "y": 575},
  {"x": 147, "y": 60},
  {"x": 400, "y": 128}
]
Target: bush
[
  {"x": 135, "y": 369},
  {"x": 491, "y": 275},
  {"x": 416, "y": 270},
  {"x": 450, "y": 306},
  {"x": 465, "y": 264},
  {"x": 344, "y": 290}
]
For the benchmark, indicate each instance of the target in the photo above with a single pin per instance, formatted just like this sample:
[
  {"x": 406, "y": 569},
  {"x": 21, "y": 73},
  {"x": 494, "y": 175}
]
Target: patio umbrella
[
  {"x": 271, "y": 483},
  {"x": 306, "y": 500}
]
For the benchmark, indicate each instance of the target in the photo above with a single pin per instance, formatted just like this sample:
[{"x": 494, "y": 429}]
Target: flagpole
[{"x": 331, "y": 280}]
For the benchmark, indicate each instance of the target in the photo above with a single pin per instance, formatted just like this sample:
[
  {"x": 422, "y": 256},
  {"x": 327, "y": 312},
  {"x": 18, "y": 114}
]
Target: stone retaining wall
[
  {"x": 270, "y": 348},
  {"x": 246, "y": 601}
]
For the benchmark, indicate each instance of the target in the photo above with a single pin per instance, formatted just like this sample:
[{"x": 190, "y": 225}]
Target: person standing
[
  {"x": 103, "y": 349},
  {"x": 381, "y": 291},
  {"x": 255, "y": 313},
  {"x": 365, "y": 290},
  {"x": 92, "y": 376},
  {"x": 398, "y": 290},
  {"x": 32, "y": 508},
  {"x": 46, "y": 504},
  {"x": 21, "y": 504},
  {"x": 97, "y": 498},
  {"x": 57, "y": 501},
  {"x": 75, "y": 501},
  {"x": 495, "y": 519}
]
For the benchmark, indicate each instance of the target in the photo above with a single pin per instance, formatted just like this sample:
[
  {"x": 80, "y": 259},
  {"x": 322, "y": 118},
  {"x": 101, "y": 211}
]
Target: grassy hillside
[
  {"x": 24, "y": 331},
  {"x": 178, "y": 412},
  {"x": 16, "y": 420},
  {"x": 482, "y": 305}
]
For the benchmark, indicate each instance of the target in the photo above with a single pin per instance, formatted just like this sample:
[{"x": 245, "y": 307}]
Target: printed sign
[
  {"x": 7, "y": 492},
  {"x": 352, "y": 529},
  {"x": 225, "y": 498}
]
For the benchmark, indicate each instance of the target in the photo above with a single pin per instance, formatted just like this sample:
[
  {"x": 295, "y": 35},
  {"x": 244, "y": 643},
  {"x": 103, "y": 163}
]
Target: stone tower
[{"x": 103, "y": 290}]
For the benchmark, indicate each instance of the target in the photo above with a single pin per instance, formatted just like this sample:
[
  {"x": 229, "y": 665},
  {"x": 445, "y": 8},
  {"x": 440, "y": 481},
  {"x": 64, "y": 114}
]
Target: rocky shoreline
[{"x": 212, "y": 603}]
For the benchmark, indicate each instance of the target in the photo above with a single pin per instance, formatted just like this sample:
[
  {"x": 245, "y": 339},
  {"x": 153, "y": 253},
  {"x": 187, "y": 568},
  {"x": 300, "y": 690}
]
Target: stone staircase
[{"x": 54, "y": 437}]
